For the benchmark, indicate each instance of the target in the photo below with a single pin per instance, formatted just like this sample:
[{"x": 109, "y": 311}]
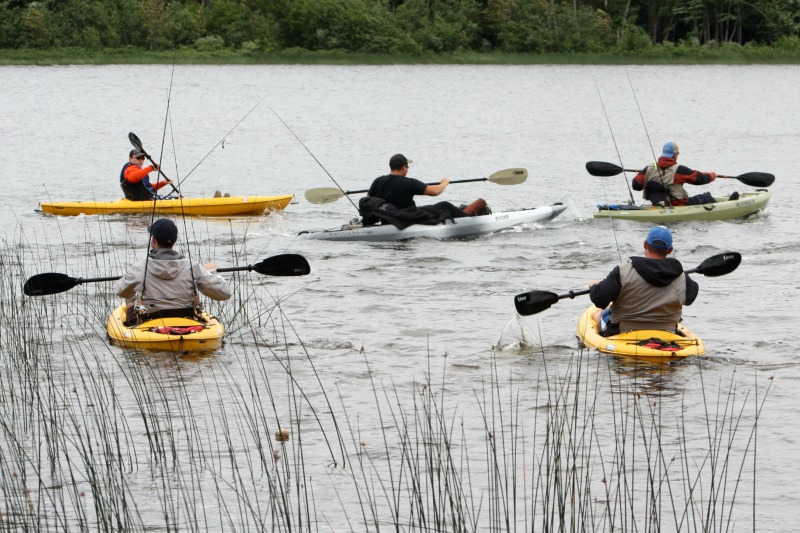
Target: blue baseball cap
[
  {"x": 660, "y": 237},
  {"x": 670, "y": 150}
]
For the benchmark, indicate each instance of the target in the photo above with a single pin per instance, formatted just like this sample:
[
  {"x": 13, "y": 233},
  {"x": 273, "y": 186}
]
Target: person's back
[
  {"x": 662, "y": 181},
  {"x": 647, "y": 292},
  {"x": 166, "y": 280},
  {"x": 397, "y": 190}
]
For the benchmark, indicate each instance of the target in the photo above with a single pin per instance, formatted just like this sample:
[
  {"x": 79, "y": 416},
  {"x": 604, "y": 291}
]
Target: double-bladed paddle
[
  {"x": 753, "y": 179},
  {"x": 138, "y": 145},
  {"x": 277, "y": 265},
  {"x": 509, "y": 176},
  {"x": 532, "y": 302}
]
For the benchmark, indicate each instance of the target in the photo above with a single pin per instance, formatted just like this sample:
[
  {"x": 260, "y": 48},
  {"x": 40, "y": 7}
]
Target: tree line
[{"x": 399, "y": 26}]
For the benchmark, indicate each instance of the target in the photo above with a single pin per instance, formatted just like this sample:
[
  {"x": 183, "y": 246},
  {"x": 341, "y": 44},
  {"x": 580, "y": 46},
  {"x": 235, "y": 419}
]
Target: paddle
[
  {"x": 277, "y": 265},
  {"x": 509, "y": 176},
  {"x": 753, "y": 179},
  {"x": 532, "y": 302},
  {"x": 138, "y": 145}
]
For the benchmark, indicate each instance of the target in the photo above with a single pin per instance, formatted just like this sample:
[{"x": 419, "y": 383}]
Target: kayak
[
  {"x": 657, "y": 346},
  {"x": 450, "y": 229},
  {"x": 172, "y": 334},
  {"x": 225, "y": 206},
  {"x": 748, "y": 204}
]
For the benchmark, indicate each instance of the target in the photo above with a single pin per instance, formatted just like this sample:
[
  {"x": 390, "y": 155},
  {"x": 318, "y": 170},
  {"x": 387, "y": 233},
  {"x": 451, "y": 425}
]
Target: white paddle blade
[
  {"x": 323, "y": 195},
  {"x": 509, "y": 176}
]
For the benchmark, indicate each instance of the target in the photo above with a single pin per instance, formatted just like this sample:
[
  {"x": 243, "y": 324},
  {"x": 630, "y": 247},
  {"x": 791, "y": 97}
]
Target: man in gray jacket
[{"x": 166, "y": 283}]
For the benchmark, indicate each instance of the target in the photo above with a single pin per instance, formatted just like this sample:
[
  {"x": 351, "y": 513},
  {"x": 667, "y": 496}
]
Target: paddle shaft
[
  {"x": 138, "y": 145},
  {"x": 434, "y": 183}
]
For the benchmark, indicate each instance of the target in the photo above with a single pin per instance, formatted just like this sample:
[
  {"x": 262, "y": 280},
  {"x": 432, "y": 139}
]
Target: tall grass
[{"x": 98, "y": 438}]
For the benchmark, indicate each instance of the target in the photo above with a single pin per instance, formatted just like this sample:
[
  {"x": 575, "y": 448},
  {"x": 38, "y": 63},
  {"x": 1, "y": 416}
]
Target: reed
[{"x": 99, "y": 438}]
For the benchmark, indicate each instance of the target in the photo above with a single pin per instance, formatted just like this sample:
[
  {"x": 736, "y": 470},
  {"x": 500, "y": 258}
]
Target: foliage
[{"x": 402, "y": 27}]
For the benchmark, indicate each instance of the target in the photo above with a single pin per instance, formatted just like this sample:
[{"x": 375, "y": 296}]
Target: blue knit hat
[
  {"x": 660, "y": 237},
  {"x": 670, "y": 150}
]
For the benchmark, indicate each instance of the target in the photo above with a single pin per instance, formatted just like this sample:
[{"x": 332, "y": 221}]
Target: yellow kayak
[
  {"x": 657, "y": 346},
  {"x": 209, "y": 207},
  {"x": 166, "y": 334}
]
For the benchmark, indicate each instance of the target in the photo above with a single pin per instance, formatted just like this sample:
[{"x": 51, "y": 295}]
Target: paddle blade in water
[
  {"x": 719, "y": 265},
  {"x": 532, "y": 302}
]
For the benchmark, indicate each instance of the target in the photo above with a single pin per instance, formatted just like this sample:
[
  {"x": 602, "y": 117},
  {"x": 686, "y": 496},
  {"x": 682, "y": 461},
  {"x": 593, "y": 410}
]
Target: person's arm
[
  {"x": 210, "y": 283},
  {"x": 695, "y": 177},
  {"x": 134, "y": 174},
  {"x": 637, "y": 184},
  {"x": 604, "y": 292},
  {"x": 436, "y": 190},
  {"x": 126, "y": 285},
  {"x": 692, "y": 288}
]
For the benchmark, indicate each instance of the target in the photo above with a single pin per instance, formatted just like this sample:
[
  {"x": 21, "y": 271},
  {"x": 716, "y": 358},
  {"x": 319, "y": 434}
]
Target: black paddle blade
[
  {"x": 599, "y": 168},
  {"x": 50, "y": 283},
  {"x": 283, "y": 265},
  {"x": 719, "y": 265},
  {"x": 532, "y": 302},
  {"x": 757, "y": 179},
  {"x": 136, "y": 142}
]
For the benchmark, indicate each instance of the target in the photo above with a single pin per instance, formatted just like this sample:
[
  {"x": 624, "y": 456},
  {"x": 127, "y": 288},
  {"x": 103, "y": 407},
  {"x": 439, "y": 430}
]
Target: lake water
[{"x": 381, "y": 332}]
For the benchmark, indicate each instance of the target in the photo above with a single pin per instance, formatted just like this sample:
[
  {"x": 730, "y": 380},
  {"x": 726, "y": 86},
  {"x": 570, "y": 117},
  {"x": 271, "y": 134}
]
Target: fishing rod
[
  {"x": 616, "y": 148},
  {"x": 222, "y": 141},
  {"x": 315, "y": 158}
]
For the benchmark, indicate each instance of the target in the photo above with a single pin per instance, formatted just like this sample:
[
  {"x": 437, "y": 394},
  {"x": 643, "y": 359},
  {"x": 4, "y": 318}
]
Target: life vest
[
  {"x": 666, "y": 177},
  {"x": 139, "y": 191},
  {"x": 642, "y": 305}
]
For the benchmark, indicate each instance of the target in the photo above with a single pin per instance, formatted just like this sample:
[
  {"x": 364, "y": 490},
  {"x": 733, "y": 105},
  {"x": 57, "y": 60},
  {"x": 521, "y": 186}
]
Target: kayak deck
[
  {"x": 171, "y": 334},
  {"x": 656, "y": 346},
  {"x": 209, "y": 207},
  {"x": 748, "y": 204},
  {"x": 450, "y": 229}
]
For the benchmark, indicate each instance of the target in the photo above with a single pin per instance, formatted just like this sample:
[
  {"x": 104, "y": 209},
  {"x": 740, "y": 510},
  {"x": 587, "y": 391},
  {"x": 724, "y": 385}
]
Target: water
[{"x": 425, "y": 307}]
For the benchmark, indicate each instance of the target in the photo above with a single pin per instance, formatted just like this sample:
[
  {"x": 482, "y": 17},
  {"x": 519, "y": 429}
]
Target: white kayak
[{"x": 450, "y": 229}]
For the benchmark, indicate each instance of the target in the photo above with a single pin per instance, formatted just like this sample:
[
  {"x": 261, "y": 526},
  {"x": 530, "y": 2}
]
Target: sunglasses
[{"x": 140, "y": 158}]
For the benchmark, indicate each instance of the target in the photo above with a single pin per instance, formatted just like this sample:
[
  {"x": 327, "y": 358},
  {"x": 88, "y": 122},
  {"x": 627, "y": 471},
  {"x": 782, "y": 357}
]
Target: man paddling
[
  {"x": 647, "y": 292},
  {"x": 134, "y": 178},
  {"x": 397, "y": 189},
  {"x": 662, "y": 182},
  {"x": 166, "y": 283}
]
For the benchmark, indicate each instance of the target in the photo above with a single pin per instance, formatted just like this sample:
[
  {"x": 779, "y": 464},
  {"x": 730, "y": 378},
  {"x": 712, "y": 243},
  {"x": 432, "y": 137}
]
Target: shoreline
[{"x": 185, "y": 56}]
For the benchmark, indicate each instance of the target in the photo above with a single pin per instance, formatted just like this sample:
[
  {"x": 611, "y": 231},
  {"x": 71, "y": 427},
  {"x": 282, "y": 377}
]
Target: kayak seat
[{"x": 181, "y": 312}]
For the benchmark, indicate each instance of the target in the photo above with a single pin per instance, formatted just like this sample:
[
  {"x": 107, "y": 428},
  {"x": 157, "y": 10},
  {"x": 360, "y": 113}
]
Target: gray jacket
[{"x": 169, "y": 282}]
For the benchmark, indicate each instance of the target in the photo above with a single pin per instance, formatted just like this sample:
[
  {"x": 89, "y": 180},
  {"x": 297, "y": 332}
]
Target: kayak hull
[
  {"x": 748, "y": 204},
  {"x": 630, "y": 344},
  {"x": 451, "y": 229},
  {"x": 209, "y": 207},
  {"x": 143, "y": 336}
]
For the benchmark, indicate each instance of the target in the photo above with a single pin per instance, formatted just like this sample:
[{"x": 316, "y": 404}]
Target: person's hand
[
  {"x": 169, "y": 181},
  {"x": 444, "y": 182},
  {"x": 211, "y": 267},
  {"x": 593, "y": 283},
  {"x": 156, "y": 167},
  {"x": 713, "y": 175}
]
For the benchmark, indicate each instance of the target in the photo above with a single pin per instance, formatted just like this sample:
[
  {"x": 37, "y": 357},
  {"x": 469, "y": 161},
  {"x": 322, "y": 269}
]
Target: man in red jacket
[
  {"x": 134, "y": 179},
  {"x": 663, "y": 181}
]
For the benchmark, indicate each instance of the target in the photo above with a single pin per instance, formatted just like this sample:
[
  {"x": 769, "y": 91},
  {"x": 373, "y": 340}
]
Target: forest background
[{"x": 109, "y": 31}]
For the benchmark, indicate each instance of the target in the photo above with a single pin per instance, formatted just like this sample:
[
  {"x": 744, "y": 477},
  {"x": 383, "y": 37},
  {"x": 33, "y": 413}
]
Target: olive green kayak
[{"x": 748, "y": 204}]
